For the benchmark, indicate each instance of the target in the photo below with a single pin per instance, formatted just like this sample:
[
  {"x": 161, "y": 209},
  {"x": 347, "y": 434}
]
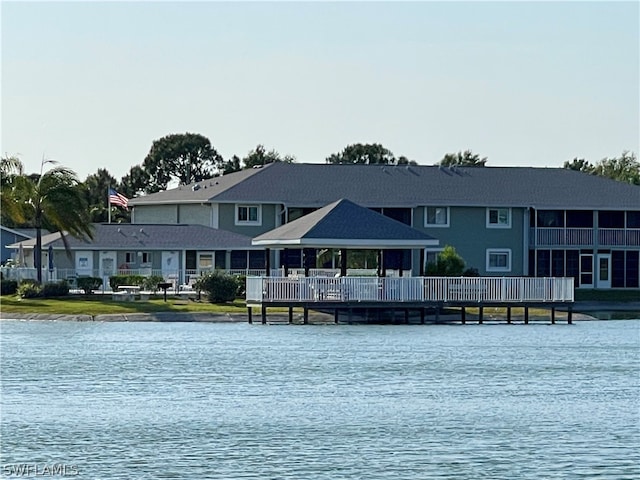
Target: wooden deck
[{"x": 406, "y": 293}]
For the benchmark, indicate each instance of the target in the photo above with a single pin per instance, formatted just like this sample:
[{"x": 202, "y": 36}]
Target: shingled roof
[
  {"x": 316, "y": 185},
  {"x": 127, "y": 236},
  {"x": 345, "y": 224}
]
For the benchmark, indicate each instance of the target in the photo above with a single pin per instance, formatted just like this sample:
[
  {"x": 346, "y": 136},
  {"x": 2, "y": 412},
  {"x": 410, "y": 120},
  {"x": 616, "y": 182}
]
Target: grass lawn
[{"x": 103, "y": 304}]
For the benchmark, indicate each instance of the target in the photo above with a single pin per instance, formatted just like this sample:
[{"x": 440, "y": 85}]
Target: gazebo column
[
  {"x": 267, "y": 261},
  {"x": 343, "y": 262}
]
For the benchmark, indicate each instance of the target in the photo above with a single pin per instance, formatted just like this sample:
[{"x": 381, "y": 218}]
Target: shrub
[
  {"x": 151, "y": 282},
  {"x": 29, "y": 290},
  {"x": 241, "y": 289},
  {"x": 448, "y": 264},
  {"x": 220, "y": 287},
  {"x": 89, "y": 284},
  {"x": 471, "y": 272},
  {"x": 8, "y": 287},
  {"x": 55, "y": 289}
]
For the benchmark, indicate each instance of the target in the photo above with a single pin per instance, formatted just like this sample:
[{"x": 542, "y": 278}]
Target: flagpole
[{"x": 109, "y": 202}]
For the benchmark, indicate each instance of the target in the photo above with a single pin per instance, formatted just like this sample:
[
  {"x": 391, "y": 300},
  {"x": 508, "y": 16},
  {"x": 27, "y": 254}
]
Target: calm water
[{"x": 227, "y": 401}]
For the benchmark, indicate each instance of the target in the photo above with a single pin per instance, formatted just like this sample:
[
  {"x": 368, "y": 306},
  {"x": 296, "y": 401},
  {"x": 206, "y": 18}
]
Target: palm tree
[
  {"x": 53, "y": 198},
  {"x": 10, "y": 168}
]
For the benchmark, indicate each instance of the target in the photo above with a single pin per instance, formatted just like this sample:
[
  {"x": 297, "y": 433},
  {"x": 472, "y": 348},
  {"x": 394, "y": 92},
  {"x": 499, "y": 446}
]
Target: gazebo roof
[{"x": 344, "y": 224}]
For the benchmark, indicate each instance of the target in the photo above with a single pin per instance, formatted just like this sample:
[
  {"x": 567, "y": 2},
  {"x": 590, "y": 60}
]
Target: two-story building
[{"x": 502, "y": 220}]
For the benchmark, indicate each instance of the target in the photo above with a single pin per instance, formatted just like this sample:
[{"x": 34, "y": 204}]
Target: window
[
  {"x": 205, "y": 261},
  {"x": 129, "y": 257},
  {"x": 145, "y": 257},
  {"x": 498, "y": 260},
  {"x": 498, "y": 218},
  {"x": 431, "y": 256},
  {"x": 248, "y": 215},
  {"x": 436, "y": 217}
]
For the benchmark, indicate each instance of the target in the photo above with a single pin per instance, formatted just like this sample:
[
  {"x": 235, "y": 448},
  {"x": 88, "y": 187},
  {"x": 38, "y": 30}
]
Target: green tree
[
  {"x": 10, "y": 168},
  {"x": 134, "y": 183},
  {"x": 624, "y": 168},
  {"x": 230, "y": 166},
  {"x": 260, "y": 156},
  {"x": 53, "y": 198},
  {"x": 365, "y": 154},
  {"x": 187, "y": 157},
  {"x": 448, "y": 264},
  {"x": 463, "y": 159},
  {"x": 579, "y": 164},
  {"x": 96, "y": 187}
]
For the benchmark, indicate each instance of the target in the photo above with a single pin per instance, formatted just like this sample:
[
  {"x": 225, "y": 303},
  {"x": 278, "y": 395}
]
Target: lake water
[{"x": 238, "y": 401}]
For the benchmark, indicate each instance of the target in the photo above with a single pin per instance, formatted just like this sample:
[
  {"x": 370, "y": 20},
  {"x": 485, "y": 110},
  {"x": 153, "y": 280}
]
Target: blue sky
[{"x": 91, "y": 85}]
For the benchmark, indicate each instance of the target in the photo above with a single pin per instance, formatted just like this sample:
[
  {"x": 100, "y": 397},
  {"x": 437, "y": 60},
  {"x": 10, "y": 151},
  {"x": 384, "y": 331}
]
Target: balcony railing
[
  {"x": 411, "y": 289},
  {"x": 585, "y": 237}
]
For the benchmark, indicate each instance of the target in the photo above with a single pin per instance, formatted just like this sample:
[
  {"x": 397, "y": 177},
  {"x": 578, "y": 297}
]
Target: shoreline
[{"x": 582, "y": 311}]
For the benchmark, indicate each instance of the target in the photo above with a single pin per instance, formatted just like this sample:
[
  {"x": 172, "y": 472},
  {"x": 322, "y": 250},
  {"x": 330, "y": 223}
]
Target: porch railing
[
  {"x": 410, "y": 289},
  {"x": 610, "y": 237}
]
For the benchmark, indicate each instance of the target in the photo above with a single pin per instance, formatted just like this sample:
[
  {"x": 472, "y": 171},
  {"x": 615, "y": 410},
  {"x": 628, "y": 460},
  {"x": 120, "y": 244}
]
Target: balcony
[{"x": 584, "y": 237}]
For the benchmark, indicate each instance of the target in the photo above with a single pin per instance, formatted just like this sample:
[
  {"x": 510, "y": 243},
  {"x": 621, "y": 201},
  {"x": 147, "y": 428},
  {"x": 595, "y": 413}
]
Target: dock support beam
[
  {"x": 553, "y": 315},
  {"x": 570, "y": 315},
  {"x": 422, "y": 316},
  {"x": 480, "y": 315},
  {"x": 463, "y": 315},
  {"x": 306, "y": 315},
  {"x": 264, "y": 314},
  {"x": 335, "y": 316},
  {"x": 526, "y": 315},
  {"x": 290, "y": 315},
  {"x": 509, "y": 315},
  {"x": 250, "y": 314}
]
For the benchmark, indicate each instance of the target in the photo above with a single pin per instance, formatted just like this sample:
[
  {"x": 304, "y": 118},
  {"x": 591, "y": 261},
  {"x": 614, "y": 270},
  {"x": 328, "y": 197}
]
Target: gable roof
[
  {"x": 127, "y": 236},
  {"x": 196, "y": 192},
  {"x": 345, "y": 224},
  {"x": 21, "y": 232},
  {"x": 316, "y": 185}
]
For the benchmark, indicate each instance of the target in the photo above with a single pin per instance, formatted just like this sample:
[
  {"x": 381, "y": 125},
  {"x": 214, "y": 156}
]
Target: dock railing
[{"x": 410, "y": 289}]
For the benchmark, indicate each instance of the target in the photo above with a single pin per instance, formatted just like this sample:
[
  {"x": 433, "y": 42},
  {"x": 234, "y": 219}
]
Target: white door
[
  {"x": 84, "y": 263},
  {"x": 170, "y": 265},
  {"x": 604, "y": 270},
  {"x": 107, "y": 264}
]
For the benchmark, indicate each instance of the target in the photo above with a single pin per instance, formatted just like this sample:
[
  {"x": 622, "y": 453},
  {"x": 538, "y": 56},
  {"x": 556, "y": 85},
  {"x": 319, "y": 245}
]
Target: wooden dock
[{"x": 408, "y": 295}]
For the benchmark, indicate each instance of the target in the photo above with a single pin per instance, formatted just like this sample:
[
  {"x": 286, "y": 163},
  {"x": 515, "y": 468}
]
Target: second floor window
[
  {"x": 248, "y": 214},
  {"x": 436, "y": 217},
  {"x": 498, "y": 217}
]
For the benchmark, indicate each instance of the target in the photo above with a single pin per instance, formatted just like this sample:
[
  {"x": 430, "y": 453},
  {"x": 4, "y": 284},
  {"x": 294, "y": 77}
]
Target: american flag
[{"x": 116, "y": 198}]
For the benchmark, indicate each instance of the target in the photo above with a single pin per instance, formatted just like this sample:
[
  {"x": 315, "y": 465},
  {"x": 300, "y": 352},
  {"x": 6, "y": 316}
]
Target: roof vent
[{"x": 195, "y": 187}]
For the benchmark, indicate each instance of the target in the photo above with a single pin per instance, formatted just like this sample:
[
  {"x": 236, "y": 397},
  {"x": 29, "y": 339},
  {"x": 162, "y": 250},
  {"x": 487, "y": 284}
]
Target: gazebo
[{"x": 345, "y": 225}]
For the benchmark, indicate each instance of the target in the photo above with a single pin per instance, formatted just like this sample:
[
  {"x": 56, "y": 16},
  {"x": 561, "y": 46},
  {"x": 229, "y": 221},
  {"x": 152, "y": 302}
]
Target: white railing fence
[
  {"x": 410, "y": 289},
  {"x": 610, "y": 237}
]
